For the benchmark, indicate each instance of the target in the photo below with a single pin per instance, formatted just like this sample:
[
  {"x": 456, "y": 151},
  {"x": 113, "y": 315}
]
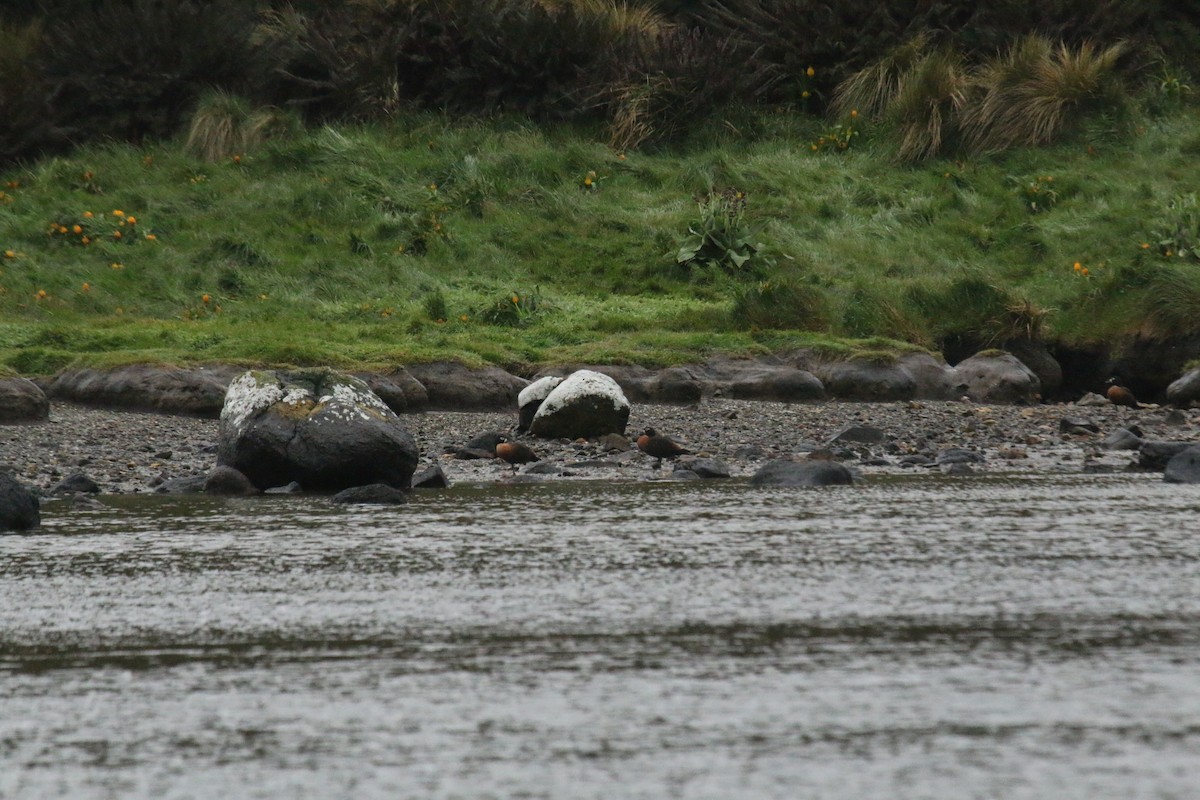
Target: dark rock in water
[
  {"x": 684, "y": 475},
  {"x": 325, "y": 430},
  {"x": 1122, "y": 439},
  {"x": 19, "y": 507},
  {"x": 876, "y": 461},
  {"x": 291, "y": 488},
  {"x": 1184, "y": 467},
  {"x": 1155, "y": 455},
  {"x": 530, "y": 399},
  {"x": 917, "y": 460},
  {"x": 802, "y": 473},
  {"x": 432, "y": 477},
  {"x": 862, "y": 434},
  {"x": 995, "y": 377},
  {"x": 22, "y": 400},
  {"x": 454, "y": 387},
  {"x": 190, "y": 485},
  {"x": 77, "y": 483},
  {"x": 1077, "y": 425},
  {"x": 707, "y": 468},
  {"x": 584, "y": 405},
  {"x": 83, "y": 502},
  {"x": 373, "y": 494},
  {"x": 958, "y": 455},
  {"x": 870, "y": 381},
  {"x": 958, "y": 468},
  {"x": 228, "y": 482}
]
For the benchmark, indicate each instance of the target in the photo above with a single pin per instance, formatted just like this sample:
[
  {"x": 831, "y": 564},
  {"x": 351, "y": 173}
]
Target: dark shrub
[{"x": 134, "y": 69}]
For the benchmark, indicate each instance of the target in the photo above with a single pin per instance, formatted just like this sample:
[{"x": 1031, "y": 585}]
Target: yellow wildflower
[{"x": 810, "y": 72}]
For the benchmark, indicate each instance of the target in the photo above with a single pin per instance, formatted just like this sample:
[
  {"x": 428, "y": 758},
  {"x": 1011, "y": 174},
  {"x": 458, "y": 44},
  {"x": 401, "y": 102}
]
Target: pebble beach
[{"x": 130, "y": 452}]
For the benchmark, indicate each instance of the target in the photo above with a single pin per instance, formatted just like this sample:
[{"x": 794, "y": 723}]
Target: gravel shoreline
[{"x": 128, "y": 452}]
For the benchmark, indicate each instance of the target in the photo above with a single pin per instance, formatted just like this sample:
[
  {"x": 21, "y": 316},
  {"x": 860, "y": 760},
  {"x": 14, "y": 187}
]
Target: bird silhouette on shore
[
  {"x": 654, "y": 444},
  {"x": 1120, "y": 396},
  {"x": 514, "y": 452}
]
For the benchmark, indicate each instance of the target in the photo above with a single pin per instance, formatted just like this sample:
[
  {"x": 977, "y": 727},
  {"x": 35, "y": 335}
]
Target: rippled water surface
[{"x": 1034, "y": 637}]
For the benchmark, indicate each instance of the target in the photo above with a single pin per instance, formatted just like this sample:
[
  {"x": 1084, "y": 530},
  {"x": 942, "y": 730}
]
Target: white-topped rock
[
  {"x": 530, "y": 399},
  {"x": 585, "y": 404}
]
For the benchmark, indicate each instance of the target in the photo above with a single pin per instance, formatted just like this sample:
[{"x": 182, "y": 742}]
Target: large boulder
[
  {"x": 403, "y": 393},
  {"x": 1185, "y": 390},
  {"x": 802, "y": 473},
  {"x": 932, "y": 376},
  {"x": 1035, "y": 355},
  {"x": 871, "y": 380},
  {"x": 455, "y": 387},
  {"x": 22, "y": 400},
  {"x": 586, "y": 404},
  {"x": 994, "y": 376},
  {"x": 18, "y": 505},
  {"x": 768, "y": 379},
  {"x": 140, "y": 387},
  {"x": 1155, "y": 455},
  {"x": 1184, "y": 466},
  {"x": 677, "y": 385},
  {"x": 322, "y": 429}
]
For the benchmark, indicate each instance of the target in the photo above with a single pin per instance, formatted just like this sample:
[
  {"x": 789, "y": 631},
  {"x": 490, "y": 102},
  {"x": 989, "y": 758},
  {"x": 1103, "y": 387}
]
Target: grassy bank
[{"x": 507, "y": 243}]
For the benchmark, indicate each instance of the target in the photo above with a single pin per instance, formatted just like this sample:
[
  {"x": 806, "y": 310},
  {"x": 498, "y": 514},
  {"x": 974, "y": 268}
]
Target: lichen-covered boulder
[
  {"x": 325, "y": 430},
  {"x": 994, "y": 376},
  {"x": 530, "y": 399},
  {"x": 19, "y": 508},
  {"x": 22, "y": 400},
  {"x": 585, "y": 404}
]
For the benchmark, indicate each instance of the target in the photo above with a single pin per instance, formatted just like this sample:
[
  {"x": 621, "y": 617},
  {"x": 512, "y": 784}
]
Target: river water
[{"x": 912, "y": 637}]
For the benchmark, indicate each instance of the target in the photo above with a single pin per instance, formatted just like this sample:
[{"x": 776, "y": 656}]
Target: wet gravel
[{"x": 127, "y": 452}]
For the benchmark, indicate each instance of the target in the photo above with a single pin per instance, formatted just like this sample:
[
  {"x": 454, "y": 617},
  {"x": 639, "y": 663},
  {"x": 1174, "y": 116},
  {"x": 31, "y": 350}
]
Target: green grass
[{"x": 331, "y": 247}]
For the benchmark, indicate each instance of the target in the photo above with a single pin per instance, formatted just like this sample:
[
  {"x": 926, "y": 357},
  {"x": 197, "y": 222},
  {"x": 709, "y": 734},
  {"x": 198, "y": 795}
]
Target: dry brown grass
[{"x": 1027, "y": 96}]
